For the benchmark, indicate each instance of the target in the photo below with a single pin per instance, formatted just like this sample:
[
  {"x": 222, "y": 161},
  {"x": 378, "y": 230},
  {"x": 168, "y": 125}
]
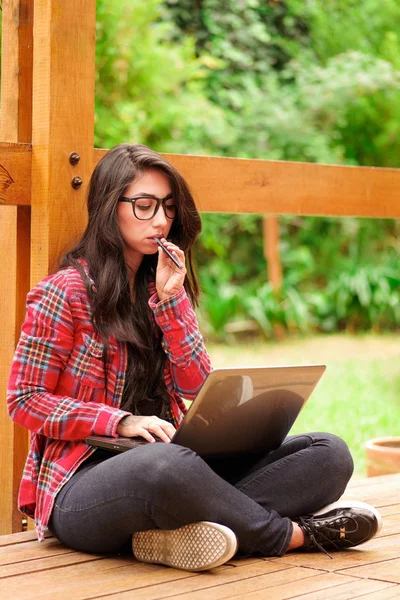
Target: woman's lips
[{"x": 152, "y": 240}]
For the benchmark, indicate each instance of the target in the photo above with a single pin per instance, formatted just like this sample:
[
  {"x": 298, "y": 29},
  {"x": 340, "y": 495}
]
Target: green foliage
[
  {"x": 315, "y": 81},
  {"x": 337, "y": 274},
  {"x": 150, "y": 89}
]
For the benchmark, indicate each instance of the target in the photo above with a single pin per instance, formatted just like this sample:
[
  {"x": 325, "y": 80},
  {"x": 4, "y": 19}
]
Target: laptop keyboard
[{"x": 134, "y": 442}]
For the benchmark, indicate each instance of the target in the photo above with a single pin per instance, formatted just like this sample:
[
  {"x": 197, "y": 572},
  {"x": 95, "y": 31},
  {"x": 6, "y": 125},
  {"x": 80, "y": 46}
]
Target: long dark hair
[{"x": 113, "y": 311}]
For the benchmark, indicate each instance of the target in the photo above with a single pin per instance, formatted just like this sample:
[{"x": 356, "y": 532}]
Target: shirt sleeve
[
  {"x": 182, "y": 342},
  {"x": 42, "y": 353}
]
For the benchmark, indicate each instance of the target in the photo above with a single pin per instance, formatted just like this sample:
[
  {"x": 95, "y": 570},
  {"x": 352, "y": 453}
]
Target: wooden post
[
  {"x": 16, "y": 71},
  {"x": 271, "y": 250},
  {"x": 16, "y": 126},
  {"x": 14, "y": 273},
  {"x": 273, "y": 258},
  {"x": 63, "y": 122}
]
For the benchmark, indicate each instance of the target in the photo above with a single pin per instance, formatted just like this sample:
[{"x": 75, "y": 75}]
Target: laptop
[{"x": 237, "y": 410}]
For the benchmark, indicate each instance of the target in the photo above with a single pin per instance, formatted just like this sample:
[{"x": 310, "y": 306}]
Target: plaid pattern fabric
[{"x": 57, "y": 382}]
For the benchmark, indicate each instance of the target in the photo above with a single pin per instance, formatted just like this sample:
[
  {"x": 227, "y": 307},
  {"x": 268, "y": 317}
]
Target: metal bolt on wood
[
  {"x": 74, "y": 158},
  {"x": 76, "y": 182}
]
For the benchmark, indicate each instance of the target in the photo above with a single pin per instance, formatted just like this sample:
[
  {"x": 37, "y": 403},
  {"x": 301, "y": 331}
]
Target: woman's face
[{"x": 139, "y": 235}]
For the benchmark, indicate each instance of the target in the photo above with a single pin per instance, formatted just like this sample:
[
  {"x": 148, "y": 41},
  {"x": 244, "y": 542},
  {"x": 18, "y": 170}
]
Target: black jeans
[{"x": 166, "y": 486}]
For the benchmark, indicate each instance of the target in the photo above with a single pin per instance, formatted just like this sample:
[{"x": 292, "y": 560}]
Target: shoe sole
[
  {"x": 353, "y": 504},
  {"x": 195, "y": 547}
]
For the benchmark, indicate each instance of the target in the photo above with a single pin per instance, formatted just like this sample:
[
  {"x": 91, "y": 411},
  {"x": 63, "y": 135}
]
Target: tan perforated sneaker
[{"x": 195, "y": 547}]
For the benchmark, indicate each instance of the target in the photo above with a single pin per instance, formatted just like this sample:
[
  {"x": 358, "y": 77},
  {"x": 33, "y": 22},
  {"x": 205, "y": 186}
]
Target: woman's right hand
[{"x": 138, "y": 426}]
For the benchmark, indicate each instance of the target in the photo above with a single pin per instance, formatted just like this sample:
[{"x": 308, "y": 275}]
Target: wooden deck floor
[{"x": 30, "y": 570}]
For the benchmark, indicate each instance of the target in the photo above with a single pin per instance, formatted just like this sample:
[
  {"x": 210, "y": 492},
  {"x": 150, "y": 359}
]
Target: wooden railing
[{"x": 47, "y": 113}]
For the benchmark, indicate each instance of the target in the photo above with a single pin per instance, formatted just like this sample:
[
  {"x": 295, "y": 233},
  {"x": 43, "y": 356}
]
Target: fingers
[
  {"x": 176, "y": 252},
  {"x": 158, "y": 427}
]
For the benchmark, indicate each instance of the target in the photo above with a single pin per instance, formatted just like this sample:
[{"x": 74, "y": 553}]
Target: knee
[
  {"x": 339, "y": 462},
  {"x": 163, "y": 463}
]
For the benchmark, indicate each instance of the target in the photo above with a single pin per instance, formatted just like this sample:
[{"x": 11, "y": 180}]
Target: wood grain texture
[
  {"x": 15, "y": 245},
  {"x": 261, "y": 186},
  {"x": 8, "y": 271},
  {"x": 374, "y": 192},
  {"x": 272, "y": 250},
  {"x": 15, "y": 174},
  {"x": 16, "y": 67},
  {"x": 14, "y": 271},
  {"x": 21, "y": 288},
  {"x": 63, "y": 122},
  {"x": 15, "y": 189}
]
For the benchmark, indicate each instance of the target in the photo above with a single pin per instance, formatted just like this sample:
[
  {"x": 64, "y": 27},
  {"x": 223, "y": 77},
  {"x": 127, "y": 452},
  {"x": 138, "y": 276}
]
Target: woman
[{"x": 109, "y": 346}]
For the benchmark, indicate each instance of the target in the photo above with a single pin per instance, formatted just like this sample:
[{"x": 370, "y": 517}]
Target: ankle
[{"x": 297, "y": 537}]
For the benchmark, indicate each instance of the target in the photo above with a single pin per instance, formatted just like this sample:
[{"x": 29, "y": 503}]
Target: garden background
[{"x": 301, "y": 80}]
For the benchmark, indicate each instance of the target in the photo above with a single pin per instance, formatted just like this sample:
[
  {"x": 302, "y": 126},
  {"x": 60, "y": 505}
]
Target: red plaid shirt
[{"x": 57, "y": 383}]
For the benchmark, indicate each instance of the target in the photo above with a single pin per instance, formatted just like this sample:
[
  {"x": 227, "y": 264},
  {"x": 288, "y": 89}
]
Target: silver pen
[{"x": 168, "y": 253}]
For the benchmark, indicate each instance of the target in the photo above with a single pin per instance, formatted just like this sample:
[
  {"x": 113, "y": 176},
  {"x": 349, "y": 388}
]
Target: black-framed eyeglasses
[{"x": 145, "y": 207}]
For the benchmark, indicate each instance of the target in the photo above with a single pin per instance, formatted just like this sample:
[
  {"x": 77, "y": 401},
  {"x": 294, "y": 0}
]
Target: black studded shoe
[{"x": 340, "y": 525}]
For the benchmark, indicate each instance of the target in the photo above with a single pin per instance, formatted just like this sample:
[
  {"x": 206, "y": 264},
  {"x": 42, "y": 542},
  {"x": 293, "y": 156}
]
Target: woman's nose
[{"x": 160, "y": 218}]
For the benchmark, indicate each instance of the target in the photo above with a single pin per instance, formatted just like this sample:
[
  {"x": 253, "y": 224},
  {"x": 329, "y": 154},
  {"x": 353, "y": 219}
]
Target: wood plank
[
  {"x": 382, "y": 491},
  {"x": 16, "y": 70},
  {"x": 391, "y": 525},
  {"x": 353, "y": 589},
  {"x": 321, "y": 585},
  {"x": 86, "y": 580},
  {"x": 386, "y": 570},
  {"x": 141, "y": 586},
  {"x": 63, "y": 122},
  {"x": 14, "y": 244},
  {"x": 15, "y": 174},
  {"x": 374, "y": 551},
  {"x": 31, "y": 551},
  {"x": 29, "y": 568},
  {"x": 391, "y": 510},
  {"x": 391, "y": 593},
  {"x": 369, "y": 185},
  {"x": 204, "y": 583},
  {"x": 261, "y": 186},
  {"x": 372, "y": 482},
  {"x": 20, "y": 538},
  {"x": 276, "y": 586}
]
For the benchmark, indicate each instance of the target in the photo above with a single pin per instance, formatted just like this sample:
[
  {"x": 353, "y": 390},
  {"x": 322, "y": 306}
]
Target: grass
[{"x": 358, "y": 397}]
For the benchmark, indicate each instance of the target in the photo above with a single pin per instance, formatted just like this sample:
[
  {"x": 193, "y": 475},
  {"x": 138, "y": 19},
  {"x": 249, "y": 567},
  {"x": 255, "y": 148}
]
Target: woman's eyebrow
[{"x": 148, "y": 195}]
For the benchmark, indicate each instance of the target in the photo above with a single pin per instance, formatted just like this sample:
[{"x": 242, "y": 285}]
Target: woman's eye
[{"x": 143, "y": 207}]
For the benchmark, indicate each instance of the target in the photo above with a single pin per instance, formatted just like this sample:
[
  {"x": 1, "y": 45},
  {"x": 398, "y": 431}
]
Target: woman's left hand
[{"x": 169, "y": 277}]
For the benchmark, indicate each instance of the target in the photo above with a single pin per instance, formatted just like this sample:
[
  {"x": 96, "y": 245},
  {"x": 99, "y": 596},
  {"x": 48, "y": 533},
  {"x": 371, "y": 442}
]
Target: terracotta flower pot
[{"x": 383, "y": 456}]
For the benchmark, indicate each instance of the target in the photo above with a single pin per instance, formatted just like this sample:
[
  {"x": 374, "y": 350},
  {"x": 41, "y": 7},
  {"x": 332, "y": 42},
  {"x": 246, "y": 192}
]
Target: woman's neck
[{"x": 133, "y": 261}]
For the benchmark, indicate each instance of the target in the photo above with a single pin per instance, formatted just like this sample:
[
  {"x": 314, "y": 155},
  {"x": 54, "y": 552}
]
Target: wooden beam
[
  {"x": 232, "y": 185},
  {"x": 258, "y": 186},
  {"x": 292, "y": 188},
  {"x": 63, "y": 122},
  {"x": 14, "y": 273},
  {"x": 16, "y": 71}
]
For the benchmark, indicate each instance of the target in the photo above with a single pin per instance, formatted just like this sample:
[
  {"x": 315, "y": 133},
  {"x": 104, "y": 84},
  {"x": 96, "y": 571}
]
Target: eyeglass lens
[{"x": 146, "y": 208}]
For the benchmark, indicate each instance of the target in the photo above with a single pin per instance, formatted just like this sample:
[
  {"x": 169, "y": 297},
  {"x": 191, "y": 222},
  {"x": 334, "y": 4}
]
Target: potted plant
[{"x": 383, "y": 456}]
